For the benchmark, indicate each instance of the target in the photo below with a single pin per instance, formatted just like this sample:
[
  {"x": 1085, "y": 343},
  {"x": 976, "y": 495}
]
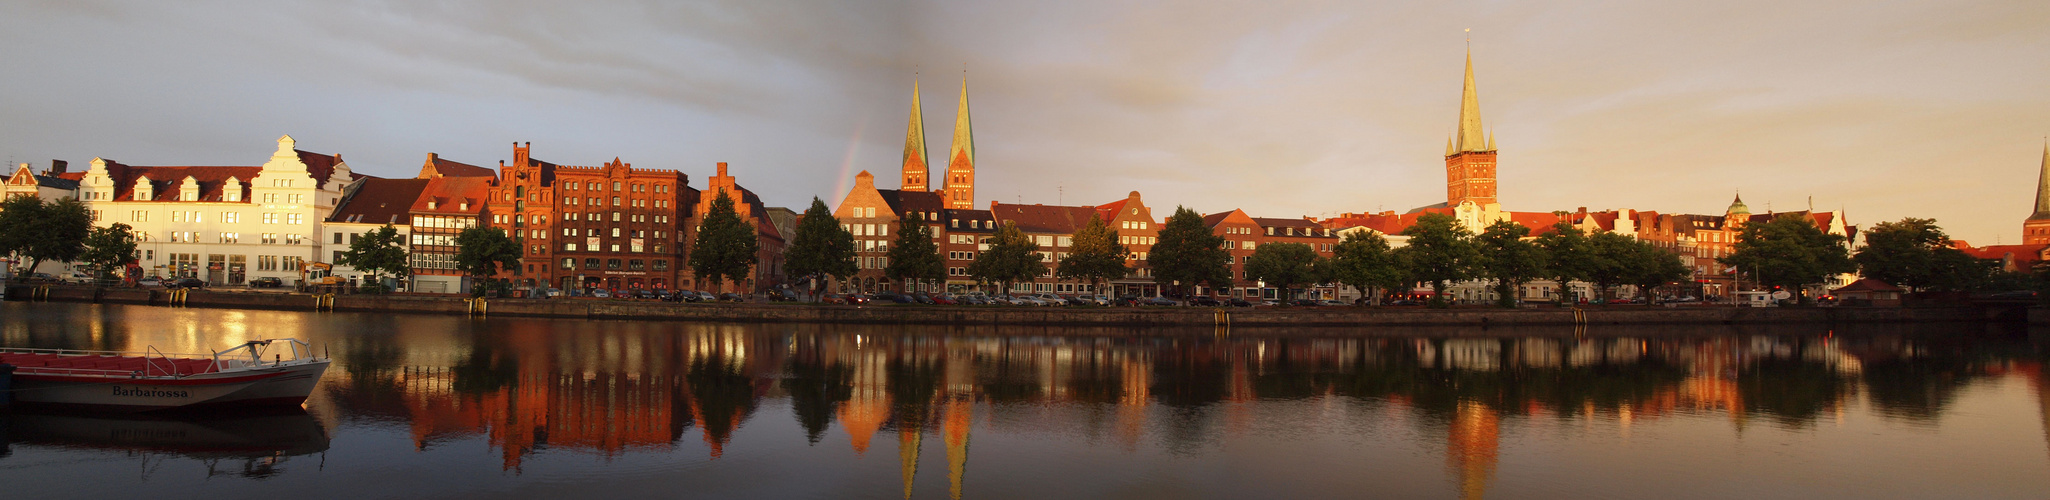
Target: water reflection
[
  {"x": 252, "y": 445},
  {"x": 531, "y": 387}
]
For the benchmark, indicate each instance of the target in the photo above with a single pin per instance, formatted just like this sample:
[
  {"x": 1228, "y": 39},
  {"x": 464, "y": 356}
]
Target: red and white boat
[{"x": 152, "y": 380}]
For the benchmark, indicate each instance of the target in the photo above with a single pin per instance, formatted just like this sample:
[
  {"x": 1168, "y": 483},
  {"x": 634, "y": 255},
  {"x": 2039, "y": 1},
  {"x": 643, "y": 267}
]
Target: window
[
  {"x": 283, "y": 183},
  {"x": 270, "y": 218},
  {"x": 295, "y": 199},
  {"x": 266, "y": 262},
  {"x": 294, "y": 239},
  {"x": 270, "y": 197},
  {"x": 590, "y": 263},
  {"x": 568, "y": 263},
  {"x": 615, "y": 201},
  {"x": 615, "y": 187},
  {"x": 231, "y": 237},
  {"x": 633, "y": 265},
  {"x": 338, "y": 238},
  {"x": 270, "y": 238},
  {"x": 295, "y": 219},
  {"x": 177, "y": 216},
  {"x": 231, "y": 217},
  {"x": 612, "y": 263},
  {"x": 139, "y": 216},
  {"x": 661, "y": 265},
  {"x": 569, "y": 247}
]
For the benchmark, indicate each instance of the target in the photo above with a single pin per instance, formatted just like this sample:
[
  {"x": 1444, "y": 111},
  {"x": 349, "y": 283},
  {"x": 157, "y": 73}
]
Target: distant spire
[
  {"x": 914, "y": 145},
  {"x": 964, "y": 138},
  {"x": 2043, "y": 187},
  {"x": 1471, "y": 135},
  {"x": 1449, "y": 149}
]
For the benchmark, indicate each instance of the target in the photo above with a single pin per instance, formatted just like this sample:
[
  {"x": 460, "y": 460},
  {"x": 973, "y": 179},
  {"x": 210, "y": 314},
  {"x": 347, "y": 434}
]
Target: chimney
[{"x": 58, "y": 167}]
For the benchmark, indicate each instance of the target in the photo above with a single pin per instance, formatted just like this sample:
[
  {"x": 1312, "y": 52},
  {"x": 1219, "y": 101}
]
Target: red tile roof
[
  {"x": 1044, "y": 219},
  {"x": 436, "y": 166},
  {"x": 448, "y": 194},
  {"x": 380, "y": 201}
]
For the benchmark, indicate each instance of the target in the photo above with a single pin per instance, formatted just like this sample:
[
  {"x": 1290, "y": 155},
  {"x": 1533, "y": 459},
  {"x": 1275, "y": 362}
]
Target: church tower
[
  {"x": 914, "y": 147},
  {"x": 960, "y": 190},
  {"x": 1470, "y": 155},
  {"x": 2036, "y": 230}
]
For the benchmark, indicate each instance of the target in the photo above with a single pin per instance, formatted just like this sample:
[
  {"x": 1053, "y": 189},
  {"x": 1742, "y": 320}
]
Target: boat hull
[{"x": 287, "y": 384}]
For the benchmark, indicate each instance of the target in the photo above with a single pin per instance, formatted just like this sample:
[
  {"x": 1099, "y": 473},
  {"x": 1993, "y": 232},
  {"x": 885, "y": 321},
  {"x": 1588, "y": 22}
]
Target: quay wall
[{"x": 969, "y": 315}]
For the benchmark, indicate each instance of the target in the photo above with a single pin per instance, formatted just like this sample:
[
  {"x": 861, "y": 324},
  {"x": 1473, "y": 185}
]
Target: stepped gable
[
  {"x": 1052, "y": 219},
  {"x": 380, "y": 201},
  {"x": 320, "y": 166}
]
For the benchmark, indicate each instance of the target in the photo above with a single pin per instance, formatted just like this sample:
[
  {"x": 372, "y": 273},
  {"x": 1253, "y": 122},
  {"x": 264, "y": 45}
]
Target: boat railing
[
  {"x": 255, "y": 349},
  {"x": 83, "y": 352}
]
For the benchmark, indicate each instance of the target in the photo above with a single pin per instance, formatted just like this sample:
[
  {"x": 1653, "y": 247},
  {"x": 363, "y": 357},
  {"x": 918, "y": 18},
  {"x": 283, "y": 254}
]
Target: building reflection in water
[{"x": 621, "y": 387}]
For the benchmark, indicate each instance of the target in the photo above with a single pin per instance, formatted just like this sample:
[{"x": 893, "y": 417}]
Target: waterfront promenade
[{"x": 1274, "y": 317}]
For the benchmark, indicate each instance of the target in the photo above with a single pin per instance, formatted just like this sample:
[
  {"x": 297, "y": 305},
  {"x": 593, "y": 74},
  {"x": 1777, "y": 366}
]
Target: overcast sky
[{"x": 1886, "y": 109}]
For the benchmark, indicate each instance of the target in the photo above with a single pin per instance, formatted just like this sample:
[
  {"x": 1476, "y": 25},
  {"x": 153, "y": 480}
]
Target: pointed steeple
[
  {"x": 1449, "y": 149},
  {"x": 960, "y": 181},
  {"x": 1471, "y": 136},
  {"x": 2043, "y": 187},
  {"x": 963, "y": 150},
  {"x": 914, "y": 146}
]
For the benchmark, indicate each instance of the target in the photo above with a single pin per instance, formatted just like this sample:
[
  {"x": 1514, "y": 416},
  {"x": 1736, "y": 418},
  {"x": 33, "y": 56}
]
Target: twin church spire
[{"x": 958, "y": 186}]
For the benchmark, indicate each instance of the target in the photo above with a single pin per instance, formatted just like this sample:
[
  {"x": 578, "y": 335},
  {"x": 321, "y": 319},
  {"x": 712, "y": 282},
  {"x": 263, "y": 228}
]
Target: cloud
[{"x": 1281, "y": 108}]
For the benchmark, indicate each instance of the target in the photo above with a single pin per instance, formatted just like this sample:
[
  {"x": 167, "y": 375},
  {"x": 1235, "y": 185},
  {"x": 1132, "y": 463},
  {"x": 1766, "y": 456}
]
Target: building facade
[{"x": 225, "y": 224}]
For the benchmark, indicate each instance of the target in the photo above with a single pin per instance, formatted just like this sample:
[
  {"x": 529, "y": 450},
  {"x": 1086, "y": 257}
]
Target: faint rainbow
[{"x": 841, "y": 186}]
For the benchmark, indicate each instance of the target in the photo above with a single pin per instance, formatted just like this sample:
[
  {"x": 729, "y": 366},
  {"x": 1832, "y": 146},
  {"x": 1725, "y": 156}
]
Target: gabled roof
[
  {"x": 1868, "y": 285},
  {"x": 380, "y": 201},
  {"x": 436, "y": 166},
  {"x": 166, "y": 183},
  {"x": 448, "y": 194},
  {"x": 1043, "y": 218},
  {"x": 987, "y": 225},
  {"x": 902, "y": 202}
]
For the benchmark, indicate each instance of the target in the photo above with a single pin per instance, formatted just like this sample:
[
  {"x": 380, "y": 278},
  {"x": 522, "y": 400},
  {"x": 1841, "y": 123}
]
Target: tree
[
  {"x": 1566, "y": 250},
  {"x": 1186, "y": 253},
  {"x": 820, "y": 247},
  {"x": 1508, "y": 259},
  {"x": 1440, "y": 250},
  {"x": 1789, "y": 252},
  {"x": 1284, "y": 265},
  {"x": 108, "y": 249},
  {"x": 1094, "y": 256},
  {"x": 39, "y": 231},
  {"x": 1364, "y": 262},
  {"x": 378, "y": 252},
  {"x": 1651, "y": 266},
  {"x": 1608, "y": 261},
  {"x": 914, "y": 257},
  {"x": 1012, "y": 257},
  {"x": 1914, "y": 253},
  {"x": 482, "y": 252},
  {"x": 726, "y": 245}
]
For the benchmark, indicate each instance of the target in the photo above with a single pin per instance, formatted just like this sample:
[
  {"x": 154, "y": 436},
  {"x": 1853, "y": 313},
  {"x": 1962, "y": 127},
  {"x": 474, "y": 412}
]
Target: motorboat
[{"x": 152, "y": 380}]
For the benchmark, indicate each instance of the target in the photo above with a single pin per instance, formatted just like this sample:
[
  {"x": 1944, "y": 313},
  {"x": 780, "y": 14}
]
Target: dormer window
[
  {"x": 465, "y": 206},
  {"x": 431, "y": 204}
]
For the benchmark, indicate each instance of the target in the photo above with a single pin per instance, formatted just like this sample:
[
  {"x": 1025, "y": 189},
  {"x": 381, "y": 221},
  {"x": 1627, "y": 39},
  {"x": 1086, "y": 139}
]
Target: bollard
[{"x": 6, "y": 384}]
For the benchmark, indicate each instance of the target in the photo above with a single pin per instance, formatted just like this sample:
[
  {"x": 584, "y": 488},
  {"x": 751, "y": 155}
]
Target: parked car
[
  {"x": 858, "y": 299},
  {"x": 601, "y": 293},
  {"x": 1157, "y": 301},
  {"x": 833, "y": 298},
  {"x": 782, "y": 295},
  {"x": 947, "y": 299},
  {"x": 186, "y": 283},
  {"x": 267, "y": 282},
  {"x": 150, "y": 282},
  {"x": 1405, "y": 302},
  {"x": 1205, "y": 301},
  {"x": 732, "y": 297}
]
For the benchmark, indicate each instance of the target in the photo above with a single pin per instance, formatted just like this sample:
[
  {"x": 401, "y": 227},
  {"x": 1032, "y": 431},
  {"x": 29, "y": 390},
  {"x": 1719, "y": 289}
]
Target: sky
[{"x": 1285, "y": 109}]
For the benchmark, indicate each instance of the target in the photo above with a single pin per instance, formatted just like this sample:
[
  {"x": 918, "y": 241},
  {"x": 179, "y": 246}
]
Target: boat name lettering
[{"x": 149, "y": 392}]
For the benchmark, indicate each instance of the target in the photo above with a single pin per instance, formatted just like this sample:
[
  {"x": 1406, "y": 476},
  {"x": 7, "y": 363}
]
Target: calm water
[{"x": 429, "y": 406}]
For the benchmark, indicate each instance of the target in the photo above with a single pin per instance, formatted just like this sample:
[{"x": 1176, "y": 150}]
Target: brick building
[{"x": 611, "y": 226}]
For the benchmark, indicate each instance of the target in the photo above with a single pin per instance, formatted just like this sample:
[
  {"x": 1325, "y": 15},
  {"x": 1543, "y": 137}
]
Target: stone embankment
[{"x": 971, "y": 315}]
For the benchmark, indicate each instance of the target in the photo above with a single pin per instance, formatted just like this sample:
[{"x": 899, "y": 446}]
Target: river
[{"x": 453, "y": 407}]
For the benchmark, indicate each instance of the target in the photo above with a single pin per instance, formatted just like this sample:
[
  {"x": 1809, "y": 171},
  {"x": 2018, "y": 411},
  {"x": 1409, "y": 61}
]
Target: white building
[{"x": 222, "y": 224}]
